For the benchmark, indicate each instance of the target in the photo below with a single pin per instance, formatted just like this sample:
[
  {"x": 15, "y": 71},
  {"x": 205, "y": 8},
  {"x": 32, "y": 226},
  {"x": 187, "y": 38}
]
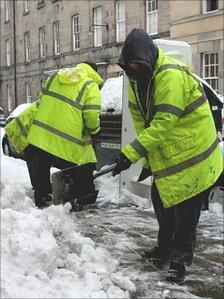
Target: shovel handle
[{"x": 104, "y": 171}]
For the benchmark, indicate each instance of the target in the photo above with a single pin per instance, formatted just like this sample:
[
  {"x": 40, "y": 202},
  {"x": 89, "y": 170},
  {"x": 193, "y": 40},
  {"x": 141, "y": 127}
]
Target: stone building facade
[
  {"x": 30, "y": 16},
  {"x": 41, "y": 35},
  {"x": 201, "y": 24}
]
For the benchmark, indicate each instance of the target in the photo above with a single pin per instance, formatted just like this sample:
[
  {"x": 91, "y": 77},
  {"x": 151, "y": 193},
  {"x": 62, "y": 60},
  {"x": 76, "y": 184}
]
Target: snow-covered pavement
[
  {"x": 43, "y": 254},
  {"x": 94, "y": 253}
]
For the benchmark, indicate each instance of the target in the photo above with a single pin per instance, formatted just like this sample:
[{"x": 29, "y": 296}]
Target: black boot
[
  {"x": 176, "y": 273},
  {"x": 44, "y": 202},
  {"x": 157, "y": 255}
]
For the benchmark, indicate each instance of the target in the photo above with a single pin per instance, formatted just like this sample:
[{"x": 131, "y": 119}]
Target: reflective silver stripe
[
  {"x": 133, "y": 106},
  {"x": 21, "y": 127},
  {"x": 177, "y": 111},
  {"x": 169, "y": 109},
  {"x": 61, "y": 134},
  {"x": 169, "y": 66},
  {"x": 63, "y": 98},
  {"x": 139, "y": 148},
  {"x": 91, "y": 107},
  {"x": 181, "y": 68},
  {"x": 75, "y": 103},
  {"x": 79, "y": 97},
  {"x": 198, "y": 102},
  {"x": 194, "y": 105},
  {"x": 186, "y": 164},
  {"x": 50, "y": 81}
]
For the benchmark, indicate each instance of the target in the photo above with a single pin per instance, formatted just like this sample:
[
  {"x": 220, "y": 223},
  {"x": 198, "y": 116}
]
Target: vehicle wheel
[{"x": 6, "y": 149}]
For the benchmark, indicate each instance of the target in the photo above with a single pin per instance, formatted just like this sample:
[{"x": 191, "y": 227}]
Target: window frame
[
  {"x": 204, "y": 7},
  {"x": 152, "y": 13},
  {"x": 27, "y": 46},
  {"x": 41, "y": 3},
  {"x": 26, "y": 6},
  {"x": 28, "y": 92},
  {"x": 7, "y": 11},
  {"x": 120, "y": 21},
  {"x": 211, "y": 78},
  {"x": 76, "y": 34},
  {"x": 9, "y": 98},
  {"x": 97, "y": 30},
  {"x": 42, "y": 43},
  {"x": 56, "y": 40},
  {"x": 8, "y": 52}
]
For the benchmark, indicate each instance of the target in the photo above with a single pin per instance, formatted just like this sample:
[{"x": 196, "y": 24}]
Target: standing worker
[
  {"x": 66, "y": 121},
  {"x": 177, "y": 138}
]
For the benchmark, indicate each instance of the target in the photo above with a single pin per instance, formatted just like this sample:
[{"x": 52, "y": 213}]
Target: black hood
[{"x": 138, "y": 47}]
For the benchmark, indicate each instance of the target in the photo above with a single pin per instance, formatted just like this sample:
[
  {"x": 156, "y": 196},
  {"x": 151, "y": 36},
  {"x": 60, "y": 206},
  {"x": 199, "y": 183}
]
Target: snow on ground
[{"x": 43, "y": 255}]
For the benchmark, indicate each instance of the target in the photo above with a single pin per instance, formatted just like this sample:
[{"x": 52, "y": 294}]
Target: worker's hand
[{"x": 122, "y": 162}]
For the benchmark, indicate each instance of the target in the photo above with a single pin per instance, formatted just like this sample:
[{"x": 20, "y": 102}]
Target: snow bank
[
  {"x": 112, "y": 95},
  {"x": 43, "y": 255}
]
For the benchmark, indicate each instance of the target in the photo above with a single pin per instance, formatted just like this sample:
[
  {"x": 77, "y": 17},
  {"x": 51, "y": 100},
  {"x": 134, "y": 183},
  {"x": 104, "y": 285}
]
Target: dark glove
[{"x": 122, "y": 162}]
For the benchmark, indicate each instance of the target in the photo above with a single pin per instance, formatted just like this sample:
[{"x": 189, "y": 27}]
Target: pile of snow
[
  {"x": 43, "y": 255},
  {"x": 112, "y": 95}
]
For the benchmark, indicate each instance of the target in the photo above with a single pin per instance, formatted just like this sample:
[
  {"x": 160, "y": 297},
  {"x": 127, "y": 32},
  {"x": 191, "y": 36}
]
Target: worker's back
[{"x": 68, "y": 114}]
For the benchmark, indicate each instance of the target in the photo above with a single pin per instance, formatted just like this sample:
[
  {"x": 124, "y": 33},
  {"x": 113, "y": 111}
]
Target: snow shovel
[{"x": 76, "y": 185}]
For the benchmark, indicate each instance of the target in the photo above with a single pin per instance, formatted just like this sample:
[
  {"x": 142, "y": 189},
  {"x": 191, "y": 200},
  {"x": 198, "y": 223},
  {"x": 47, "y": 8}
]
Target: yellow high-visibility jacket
[
  {"x": 18, "y": 128},
  {"x": 176, "y": 136},
  {"x": 68, "y": 114}
]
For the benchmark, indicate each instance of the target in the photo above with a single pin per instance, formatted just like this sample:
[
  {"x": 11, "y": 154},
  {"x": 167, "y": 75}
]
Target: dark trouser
[
  {"x": 177, "y": 226},
  {"x": 30, "y": 162},
  {"x": 39, "y": 163}
]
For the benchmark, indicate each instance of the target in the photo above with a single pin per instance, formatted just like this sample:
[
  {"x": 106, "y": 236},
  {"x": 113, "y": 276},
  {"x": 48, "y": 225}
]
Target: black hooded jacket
[{"x": 139, "y": 47}]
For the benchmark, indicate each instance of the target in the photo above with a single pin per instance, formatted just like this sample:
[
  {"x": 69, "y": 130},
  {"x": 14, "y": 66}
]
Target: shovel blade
[{"x": 74, "y": 183}]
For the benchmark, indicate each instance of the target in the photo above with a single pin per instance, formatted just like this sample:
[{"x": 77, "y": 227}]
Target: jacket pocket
[{"x": 176, "y": 148}]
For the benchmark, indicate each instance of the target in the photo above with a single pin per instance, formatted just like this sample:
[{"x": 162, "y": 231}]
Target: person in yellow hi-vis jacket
[
  {"x": 17, "y": 131},
  {"x": 66, "y": 121},
  {"x": 177, "y": 140}
]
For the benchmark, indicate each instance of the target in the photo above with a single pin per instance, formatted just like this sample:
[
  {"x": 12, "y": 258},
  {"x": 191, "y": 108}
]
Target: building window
[
  {"x": 210, "y": 5},
  {"x": 120, "y": 21},
  {"x": 40, "y": 3},
  {"x": 56, "y": 38},
  {"x": 152, "y": 16},
  {"x": 97, "y": 29},
  {"x": 28, "y": 92},
  {"x": 9, "y": 98},
  {"x": 210, "y": 69},
  {"x": 7, "y": 11},
  {"x": 7, "y": 52},
  {"x": 27, "y": 46},
  {"x": 42, "y": 43},
  {"x": 75, "y": 32},
  {"x": 26, "y": 6}
]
